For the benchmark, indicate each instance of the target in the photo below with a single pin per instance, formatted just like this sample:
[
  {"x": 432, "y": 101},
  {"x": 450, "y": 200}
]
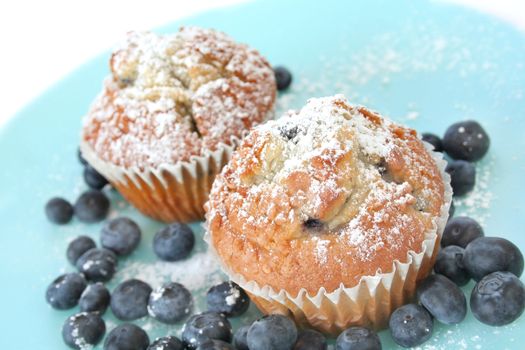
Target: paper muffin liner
[
  {"x": 171, "y": 192},
  {"x": 370, "y": 302}
]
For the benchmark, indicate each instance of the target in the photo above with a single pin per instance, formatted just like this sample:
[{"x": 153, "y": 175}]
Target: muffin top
[
  {"x": 322, "y": 197},
  {"x": 172, "y": 97}
]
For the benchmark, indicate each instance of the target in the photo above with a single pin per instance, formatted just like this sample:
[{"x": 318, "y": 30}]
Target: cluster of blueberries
[
  {"x": 131, "y": 299},
  {"x": 497, "y": 299},
  {"x": 465, "y": 142},
  {"x": 91, "y": 206}
]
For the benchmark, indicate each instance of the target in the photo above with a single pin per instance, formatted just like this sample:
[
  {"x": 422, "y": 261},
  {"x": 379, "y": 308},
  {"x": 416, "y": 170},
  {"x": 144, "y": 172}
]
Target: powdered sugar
[
  {"x": 233, "y": 295},
  {"x": 197, "y": 272}
]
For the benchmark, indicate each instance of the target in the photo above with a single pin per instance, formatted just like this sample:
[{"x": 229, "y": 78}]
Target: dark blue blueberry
[
  {"x": 498, "y": 299},
  {"x": 97, "y": 264},
  {"x": 93, "y": 178},
  {"x": 466, "y": 140},
  {"x": 443, "y": 299},
  {"x": 170, "y": 303},
  {"x": 63, "y": 293},
  {"x": 313, "y": 224},
  {"x": 78, "y": 247},
  {"x": 490, "y": 254},
  {"x": 126, "y": 336},
  {"x": 283, "y": 78},
  {"x": 129, "y": 300},
  {"x": 460, "y": 231},
  {"x": 434, "y": 140},
  {"x": 272, "y": 332},
  {"x": 92, "y": 206},
  {"x": 174, "y": 242},
  {"x": 308, "y": 339},
  {"x": 59, "y": 211},
  {"x": 451, "y": 210},
  {"x": 120, "y": 235},
  {"x": 214, "y": 344},
  {"x": 81, "y": 158},
  {"x": 410, "y": 325},
  {"x": 228, "y": 298},
  {"x": 462, "y": 176},
  {"x": 95, "y": 298},
  {"x": 449, "y": 263},
  {"x": 83, "y": 330},
  {"x": 240, "y": 341},
  {"x": 358, "y": 338},
  {"x": 167, "y": 343},
  {"x": 205, "y": 326},
  {"x": 289, "y": 132}
]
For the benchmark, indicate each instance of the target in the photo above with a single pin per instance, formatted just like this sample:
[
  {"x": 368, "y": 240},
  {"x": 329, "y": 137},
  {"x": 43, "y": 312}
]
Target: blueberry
[
  {"x": 239, "y": 338},
  {"x": 272, "y": 332},
  {"x": 129, "y": 300},
  {"x": 92, "y": 206},
  {"x": 358, "y": 338},
  {"x": 283, "y": 78},
  {"x": 81, "y": 158},
  {"x": 93, "y": 178},
  {"x": 59, "y": 211},
  {"x": 170, "y": 303},
  {"x": 462, "y": 176},
  {"x": 490, "y": 254},
  {"x": 308, "y": 339},
  {"x": 410, "y": 325},
  {"x": 205, "y": 326},
  {"x": 167, "y": 343},
  {"x": 434, "y": 140},
  {"x": 63, "y": 293},
  {"x": 466, "y": 140},
  {"x": 443, "y": 299},
  {"x": 227, "y": 298},
  {"x": 121, "y": 235},
  {"x": 83, "y": 330},
  {"x": 126, "y": 336},
  {"x": 498, "y": 299},
  {"x": 174, "y": 242},
  {"x": 449, "y": 263},
  {"x": 214, "y": 344},
  {"x": 451, "y": 210},
  {"x": 460, "y": 231},
  {"x": 95, "y": 298},
  {"x": 97, "y": 264},
  {"x": 313, "y": 225},
  {"x": 78, "y": 247},
  {"x": 289, "y": 132}
]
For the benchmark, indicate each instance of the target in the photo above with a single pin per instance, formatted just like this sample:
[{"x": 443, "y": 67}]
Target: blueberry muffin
[
  {"x": 170, "y": 114},
  {"x": 329, "y": 214}
]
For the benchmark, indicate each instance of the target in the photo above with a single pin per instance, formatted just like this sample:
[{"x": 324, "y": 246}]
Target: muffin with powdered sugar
[
  {"x": 170, "y": 114},
  {"x": 330, "y": 214}
]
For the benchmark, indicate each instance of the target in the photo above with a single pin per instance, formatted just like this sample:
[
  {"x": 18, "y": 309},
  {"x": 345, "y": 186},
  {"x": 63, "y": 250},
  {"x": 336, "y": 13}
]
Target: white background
[{"x": 41, "y": 41}]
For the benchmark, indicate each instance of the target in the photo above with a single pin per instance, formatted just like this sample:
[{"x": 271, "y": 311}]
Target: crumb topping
[{"x": 175, "y": 96}]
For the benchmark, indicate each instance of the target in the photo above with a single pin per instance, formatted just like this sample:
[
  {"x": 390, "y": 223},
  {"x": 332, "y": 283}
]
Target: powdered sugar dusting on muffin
[
  {"x": 333, "y": 185},
  {"x": 176, "y": 96}
]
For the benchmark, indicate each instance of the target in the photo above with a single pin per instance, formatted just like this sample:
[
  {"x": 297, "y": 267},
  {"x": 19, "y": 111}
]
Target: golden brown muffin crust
[
  {"x": 322, "y": 197},
  {"x": 176, "y": 96}
]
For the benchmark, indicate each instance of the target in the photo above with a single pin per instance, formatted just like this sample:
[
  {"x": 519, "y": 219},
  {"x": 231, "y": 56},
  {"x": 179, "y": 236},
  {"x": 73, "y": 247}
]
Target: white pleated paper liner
[{"x": 171, "y": 192}]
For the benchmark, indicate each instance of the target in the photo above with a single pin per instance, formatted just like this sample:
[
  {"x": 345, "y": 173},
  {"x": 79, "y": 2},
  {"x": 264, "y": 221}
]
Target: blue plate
[{"x": 424, "y": 64}]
